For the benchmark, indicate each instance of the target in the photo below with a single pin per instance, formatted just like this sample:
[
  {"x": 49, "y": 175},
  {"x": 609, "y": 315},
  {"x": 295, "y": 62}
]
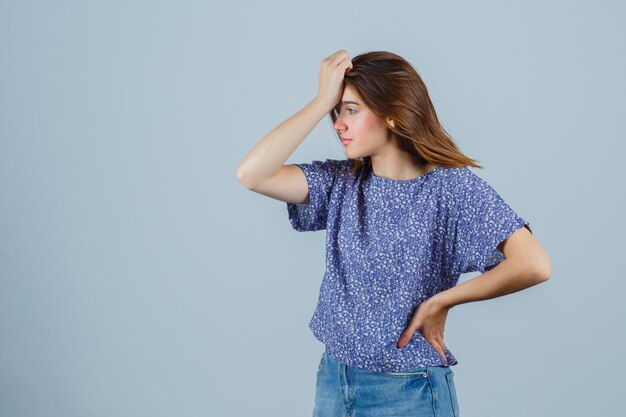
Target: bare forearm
[
  {"x": 274, "y": 149},
  {"x": 506, "y": 278}
]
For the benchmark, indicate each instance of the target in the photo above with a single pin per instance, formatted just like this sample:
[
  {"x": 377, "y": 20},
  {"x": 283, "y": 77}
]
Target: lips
[{"x": 346, "y": 141}]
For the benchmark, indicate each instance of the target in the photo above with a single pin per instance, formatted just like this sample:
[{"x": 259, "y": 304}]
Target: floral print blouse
[{"x": 391, "y": 244}]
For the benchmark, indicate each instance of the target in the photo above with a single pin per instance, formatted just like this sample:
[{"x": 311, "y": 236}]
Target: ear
[{"x": 390, "y": 122}]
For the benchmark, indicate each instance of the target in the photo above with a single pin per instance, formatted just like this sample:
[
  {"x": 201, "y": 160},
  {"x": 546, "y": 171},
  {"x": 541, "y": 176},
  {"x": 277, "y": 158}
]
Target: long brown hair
[{"x": 392, "y": 88}]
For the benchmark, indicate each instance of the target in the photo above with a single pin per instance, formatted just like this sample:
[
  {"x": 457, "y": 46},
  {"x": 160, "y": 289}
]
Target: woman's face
[{"x": 367, "y": 131}]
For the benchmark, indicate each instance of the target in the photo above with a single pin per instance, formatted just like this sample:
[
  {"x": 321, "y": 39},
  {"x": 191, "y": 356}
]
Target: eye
[{"x": 351, "y": 110}]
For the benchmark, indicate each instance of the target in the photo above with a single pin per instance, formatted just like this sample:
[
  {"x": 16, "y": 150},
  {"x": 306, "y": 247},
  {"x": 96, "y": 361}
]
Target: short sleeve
[
  {"x": 320, "y": 177},
  {"x": 482, "y": 221}
]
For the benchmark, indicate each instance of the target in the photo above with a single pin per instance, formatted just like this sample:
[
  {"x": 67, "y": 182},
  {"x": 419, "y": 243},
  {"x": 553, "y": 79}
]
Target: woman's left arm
[{"x": 526, "y": 264}]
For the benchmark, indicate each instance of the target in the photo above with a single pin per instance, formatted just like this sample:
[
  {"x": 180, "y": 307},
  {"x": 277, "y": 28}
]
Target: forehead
[
  {"x": 349, "y": 98},
  {"x": 349, "y": 94}
]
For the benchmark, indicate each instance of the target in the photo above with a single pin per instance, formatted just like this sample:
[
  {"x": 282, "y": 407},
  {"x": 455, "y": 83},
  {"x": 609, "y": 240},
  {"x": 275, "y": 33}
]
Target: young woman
[{"x": 404, "y": 218}]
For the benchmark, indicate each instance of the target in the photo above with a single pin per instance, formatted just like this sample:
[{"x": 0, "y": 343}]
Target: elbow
[
  {"x": 542, "y": 268},
  {"x": 243, "y": 178}
]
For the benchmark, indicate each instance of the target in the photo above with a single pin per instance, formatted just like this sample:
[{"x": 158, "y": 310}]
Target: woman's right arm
[{"x": 263, "y": 169}]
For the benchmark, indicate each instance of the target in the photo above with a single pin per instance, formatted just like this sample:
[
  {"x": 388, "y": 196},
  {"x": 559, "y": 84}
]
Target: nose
[{"x": 340, "y": 125}]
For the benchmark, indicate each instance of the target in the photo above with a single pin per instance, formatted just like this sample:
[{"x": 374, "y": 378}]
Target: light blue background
[{"x": 139, "y": 278}]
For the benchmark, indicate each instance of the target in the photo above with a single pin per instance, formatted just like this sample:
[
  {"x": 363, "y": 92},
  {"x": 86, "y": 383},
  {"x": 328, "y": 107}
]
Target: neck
[{"x": 401, "y": 166}]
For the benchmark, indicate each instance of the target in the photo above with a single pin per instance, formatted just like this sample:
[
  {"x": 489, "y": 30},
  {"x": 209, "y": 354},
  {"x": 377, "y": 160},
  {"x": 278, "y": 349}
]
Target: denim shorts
[{"x": 342, "y": 390}]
